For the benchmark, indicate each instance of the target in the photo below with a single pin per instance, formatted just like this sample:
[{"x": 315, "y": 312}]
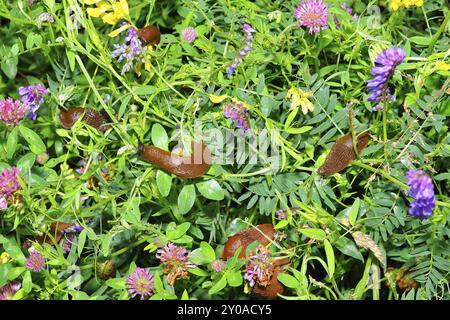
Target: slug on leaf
[
  {"x": 97, "y": 119},
  {"x": 150, "y": 35},
  {"x": 188, "y": 167},
  {"x": 246, "y": 237},
  {"x": 342, "y": 153}
]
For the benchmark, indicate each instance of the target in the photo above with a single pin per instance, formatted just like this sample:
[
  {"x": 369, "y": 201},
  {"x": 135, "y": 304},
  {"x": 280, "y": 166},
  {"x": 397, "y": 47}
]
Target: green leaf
[
  {"x": 218, "y": 286},
  {"x": 164, "y": 182},
  {"x": 81, "y": 241},
  {"x": 208, "y": 250},
  {"x": 198, "y": 272},
  {"x": 353, "y": 214},
  {"x": 11, "y": 144},
  {"x": 349, "y": 248},
  {"x": 133, "y": 213},
  {"x": 186, "y": 198},
  {"x": 9, "y": 67},
  {"x": 117, "y": 283},
  {"x": 234, "y": 278},
  {"x": 26, "y": 162},
  {"x": 288, "y": 280},
  {"x": 317, "y": 234},
  {"x": 185, "y": 295},
  {"x": 330, "y": 257},
  {"x": 211, "y": 189},
  {"x": 159, "y": 136},
  {"x": 27, "y": 282},
  {"x": 35, "y": 143},
  {"x": 424, "y": 41}
]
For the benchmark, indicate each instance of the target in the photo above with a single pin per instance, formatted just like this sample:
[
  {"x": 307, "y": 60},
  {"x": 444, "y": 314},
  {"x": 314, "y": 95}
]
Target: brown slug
[
  {"x": 53, "y": 237},
  {"x": 150, "y": 35},
  {"x": 261, "y": 233},
  {"x": 97, "y": 119},
  {"x": 342, "y": 153},
  {"x": 188, "y": 167}
]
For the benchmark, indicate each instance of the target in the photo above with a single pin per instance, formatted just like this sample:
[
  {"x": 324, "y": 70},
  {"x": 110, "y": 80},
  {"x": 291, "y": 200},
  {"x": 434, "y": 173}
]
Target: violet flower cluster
[
  {"x": 349, "y": 10},
  {"x": 312, "y": 14},
  {"x": 244, "y": 50},
  {"x": 140, "y": 282},
  {"x": 175, "y": 260},
  {"x": 385, "y": 64},
  {"x": 9, "y": 184},
  {"x": 259, "y": 267},
  {"x": 132, "y": 51},
  {"x": 33, "y": 97},
  {"x": 423, "y": 192},
  {"x": 238, "y": 112},
  {"x": 189, "y": 34}
]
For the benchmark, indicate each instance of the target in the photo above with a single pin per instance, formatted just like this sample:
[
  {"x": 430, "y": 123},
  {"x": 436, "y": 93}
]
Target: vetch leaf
[
  {"x": 35, "y": 143},
  {"x": 330, "y": 257}
]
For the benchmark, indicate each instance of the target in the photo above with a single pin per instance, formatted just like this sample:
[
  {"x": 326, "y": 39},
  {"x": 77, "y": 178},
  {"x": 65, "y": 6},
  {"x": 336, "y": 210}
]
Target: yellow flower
[
  {"x": 110, "y": 11},
  {"x": 442, "y": 66},
  {"x": 300, "y": 98},
  {"x": 217, "y": 99},
  {"x": 396, "y": 4},
  {"x": 4, "y": 257}
]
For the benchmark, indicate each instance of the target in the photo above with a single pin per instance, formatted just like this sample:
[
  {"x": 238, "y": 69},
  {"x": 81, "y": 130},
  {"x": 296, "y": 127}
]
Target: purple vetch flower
[
  {"x": 218, "y": 265},
  {"x": 9, "y": 182},
  {"x": 188, "y": 34},
  {"x": 12, "y": 111},
  {"x": 8, "y": 291},
  {"x": 259, "y": 267},
  {"x": 67, "y": 241},
  {"x": 44, "y": 17},
  {"x": 243, "y": 51},
  {"x": 422, "y": 190},
  {"x": 107, "y": 98},
  {"x": 175, "y": 260},
  {"x": 283, "y": 214},
  {"x": 35, "y": 262},
  {"x": 312, "y": 14},
  {"x": 141, "y": 282},
  {"x": 131, "y": 51},
  {"x": 385, "y": 64},
  {"x": 237, "y": 111},
  {"x": 33, "y": 96}
]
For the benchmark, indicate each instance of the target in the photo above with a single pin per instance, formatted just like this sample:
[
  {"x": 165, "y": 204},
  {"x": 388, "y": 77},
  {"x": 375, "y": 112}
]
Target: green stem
[
  {"x": 438, "y": 33},
  {"x": 385, "y": 131},
  {"x": 134, "y": 244}
]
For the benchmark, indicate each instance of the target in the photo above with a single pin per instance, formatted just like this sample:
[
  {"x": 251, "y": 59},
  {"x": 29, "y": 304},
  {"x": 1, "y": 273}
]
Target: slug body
[
  {"x": 150, "y": 35},
  {"x": 246, "y": 237},
  {"x": 96, "y": 119},
  {"x": 189, "y": 167},
  {"x": 342, "y": 153}
]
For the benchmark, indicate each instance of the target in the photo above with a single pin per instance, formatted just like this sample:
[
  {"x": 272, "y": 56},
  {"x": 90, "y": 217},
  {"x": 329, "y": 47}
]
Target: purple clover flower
[
  {"x": 12, "y": 111},
  {"x": 259, "y": 267},
  {"x": 385, "y": 64},
  {"x": 35, "y": 262},
  {"x": 33, "y": 96},
  {"x": 243, "y": 51},
  {"x": 9, "y": 184},
  {"x": 188, "y": 34},
  {"x": 131, "y": 51},
  {"x": 8, "y": 291},
  {"x": 312, "y": 14},
  {"x": 140, "y": 282},
  {"x": 175, "y": 260},
  {"x": 237, "y": 111},
  {"x": 423, "y": 191}
]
